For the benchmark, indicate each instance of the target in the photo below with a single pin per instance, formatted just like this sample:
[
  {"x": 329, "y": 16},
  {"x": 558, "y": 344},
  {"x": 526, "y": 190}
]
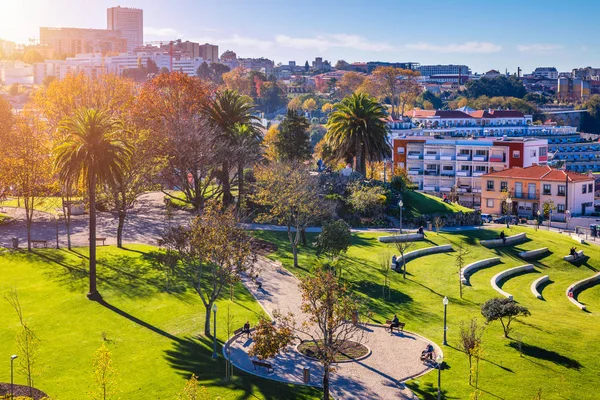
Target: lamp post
[
  {"x": 439, "y": 359},
  {"x": 445, "y": 302},
  {"x": 400, "y": 205},
  {"x": 56, "y": 219},
  {"x": 12, "y": 389},
  {"x": 549, "y": 218},
  {"x": 537, "y": 226},
  {"x": 508, "y": 210},
  {"x": 214, "y": 309}
]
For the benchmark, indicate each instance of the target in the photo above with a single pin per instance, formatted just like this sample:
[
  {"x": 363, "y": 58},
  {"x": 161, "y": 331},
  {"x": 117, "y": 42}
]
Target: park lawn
[
  {"x": 179, "y": 199},
  {"x": 417, "y": 204},
  {"x": 4, "y": 218},
  {"x": 559, "y": 349},
  {"x": 50, "y": 204},
  {"x": 155, "y": 336}
]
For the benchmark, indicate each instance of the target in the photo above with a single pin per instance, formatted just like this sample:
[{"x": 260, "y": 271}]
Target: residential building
[
  {"x": 71, "y": 41},
  {"x": 130, "y": 22},
  {"x": 573, "y": 89},
  {"x": 209, "y": 52},
  {"x": 229, "y": 58},
  {"x": 368, "y": 67},
  {"x": 546, "y": 72},
  {"x": 448, "y": 69},
  {"x": 6, "y": 47},
  {"x": 529, "y": 188},
  {"x": 257, "y": 64},
  {"x": 440, "y": 166},
  {"x": 587, "y": 74}
]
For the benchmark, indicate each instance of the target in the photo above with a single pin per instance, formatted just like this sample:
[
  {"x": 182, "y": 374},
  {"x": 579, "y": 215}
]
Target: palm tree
[
  {"x": 227, "y": 109},
  {"x": 247, "y": 144},
  {"x": 91, "y": 148},
  {"x": 357, "y": 130}
]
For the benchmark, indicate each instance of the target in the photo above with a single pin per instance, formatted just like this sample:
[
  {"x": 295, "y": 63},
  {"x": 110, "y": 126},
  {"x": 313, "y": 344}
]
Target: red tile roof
[
  {"x": 496, "y": 114},
  {"x": 438, "y": 113},
  {"x": 540, "y": 172}
]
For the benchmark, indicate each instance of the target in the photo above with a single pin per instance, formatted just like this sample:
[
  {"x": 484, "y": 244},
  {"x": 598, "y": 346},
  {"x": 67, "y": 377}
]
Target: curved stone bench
[
  {"x": 407, "y": 237},
  {"x": 533, "y": 253},
  {"x": 537, "y": 283},
  {"x": 424, "y": 252},
  {"x": 506, "y": 274},
  {"x": 469, "y": 269},
  {"x": 510, "y": 240},
  {"x": 578, "y": 286},
  {"x": 570, "y": 258}
]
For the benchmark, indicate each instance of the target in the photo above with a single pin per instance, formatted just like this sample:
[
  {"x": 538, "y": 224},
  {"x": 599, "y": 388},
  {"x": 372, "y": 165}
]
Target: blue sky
[{"x": 481, "y": 34}]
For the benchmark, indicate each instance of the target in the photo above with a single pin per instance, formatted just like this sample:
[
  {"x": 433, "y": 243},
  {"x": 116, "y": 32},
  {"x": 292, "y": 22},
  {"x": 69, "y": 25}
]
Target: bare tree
[
  {"x": 403, "y": 248},
  {"x": 461, "y": 253},
  {"x": 384, "y": 269},
  {"x": 470, "y": 338},
  {"x": 439, "y": 223}
]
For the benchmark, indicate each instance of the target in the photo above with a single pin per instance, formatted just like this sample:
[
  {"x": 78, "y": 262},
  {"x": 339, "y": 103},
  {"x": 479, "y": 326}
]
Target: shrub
[{"x": 368, "y": 201}]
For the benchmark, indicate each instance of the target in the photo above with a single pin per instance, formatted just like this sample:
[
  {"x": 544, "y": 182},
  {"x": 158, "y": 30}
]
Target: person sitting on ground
[
  {"x": 503, "y": 237},
  {"x": 570, "y": 293},
  {"x": 427, "y": 354},
  {"x": 246, "y": 329},
  {"x": 394, "y": 263},
  {"x": 395, "y": 323}
]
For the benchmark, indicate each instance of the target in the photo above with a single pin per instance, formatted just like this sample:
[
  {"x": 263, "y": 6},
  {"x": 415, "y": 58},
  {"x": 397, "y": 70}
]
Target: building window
[
  {"x": 490, "y": 185},
  {"x": 516, "y": 154},
  {"x": 561, "y": 190},
  {"x": 583, "y": 189},
  {"x": 590, "y": 188},
  {"x": 547, "y": 189},
  {"x": 480, "y": 152},
  {"x": 543, "y": 151},
  {"x": 490, "y": 203},
  {"x": 533, "y": 153},
  {"x": 400, "y": 150},
  {"x": 448, "y": 168},
  {"x": 560, "y": 208},
  {"x": 504, "y": 186},
  {"x": 480, "y": 168}
]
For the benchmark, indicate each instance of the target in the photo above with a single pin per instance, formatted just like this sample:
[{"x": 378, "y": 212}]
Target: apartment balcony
[
  {"x": 432, "y": 172},
  {"x": 463, "y": 157},
  {"x": 447, "y": 173},
  {"x": 415, "y": 172},
  {"x": 479, "y": 158},
  {"x": 431, "y": 157},
  {"x": 445, "y": 189},
  {"x": 414, "y": 156},
  {"x": 496, "y": 159},
  {"x": 478, "y": 173},
  {"x": 429, "y": 189},
  {"x": 526, "y": 195},
  {"x": 463, "y": 173},
  {"x": 447, "y": 157},
  {"x": 476, "y": 190}
]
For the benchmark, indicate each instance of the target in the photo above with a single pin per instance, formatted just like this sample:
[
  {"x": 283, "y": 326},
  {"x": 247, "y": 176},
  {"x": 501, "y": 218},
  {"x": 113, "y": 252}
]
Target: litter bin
[
  {"x": 594, "y": 230},
  {"x": 15, "y": 243},
  {"x": 306, "y": 376}
]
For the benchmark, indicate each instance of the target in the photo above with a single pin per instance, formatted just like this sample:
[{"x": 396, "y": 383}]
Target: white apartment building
[
  {"x": 15, "y": 72},
  {"x": 546, "y": 72},
  {"x": 448, "y": 69},
  {"x": 440, "y": 166},
  {"x": 130, "y": 21}
]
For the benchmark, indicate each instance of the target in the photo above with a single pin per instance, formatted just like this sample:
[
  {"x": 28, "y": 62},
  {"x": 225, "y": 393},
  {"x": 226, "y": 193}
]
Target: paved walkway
[{"x": 394, "y": 357}]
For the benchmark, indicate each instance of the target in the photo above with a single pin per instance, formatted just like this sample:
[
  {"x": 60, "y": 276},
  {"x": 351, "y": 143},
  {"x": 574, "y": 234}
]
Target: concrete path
[{"x": 394, "y": 357}]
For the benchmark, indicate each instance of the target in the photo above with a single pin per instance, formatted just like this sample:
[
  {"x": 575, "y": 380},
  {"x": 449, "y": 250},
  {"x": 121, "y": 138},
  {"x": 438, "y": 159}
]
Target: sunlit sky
[{"x": 481, "y": 34}]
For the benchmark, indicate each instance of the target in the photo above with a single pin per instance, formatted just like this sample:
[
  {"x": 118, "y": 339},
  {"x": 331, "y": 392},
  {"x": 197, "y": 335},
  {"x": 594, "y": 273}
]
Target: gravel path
[{"x": 394, "y": 357}]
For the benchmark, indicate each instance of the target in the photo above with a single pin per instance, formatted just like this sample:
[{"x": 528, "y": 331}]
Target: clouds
[
  {"x": 169, "y": 33},
  {"x": 326, "y": 42},
  {"x": 539, "y": 48},
  {"x": 466, "y": 48}
]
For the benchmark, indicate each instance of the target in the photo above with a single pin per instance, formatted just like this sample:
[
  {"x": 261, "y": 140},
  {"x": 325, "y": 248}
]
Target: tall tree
[
  {"x": 291, "y": 195},
  {"x": 504, "y": 86},
  {"x": 91, "y": 148},
  {"x": 309, "y": 106},
  {"x": 227, "y": 110},
  {"x": 349, "y": 83},
  {"x": 357, "y": 130},
  {"x": 213, "y": 252},
  {"x": 247, "y": 150},
  {"x": 293, "y": 139}
]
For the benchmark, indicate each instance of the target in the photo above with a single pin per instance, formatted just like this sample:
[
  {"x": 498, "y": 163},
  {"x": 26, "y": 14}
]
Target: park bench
[
  {"x": 399, "y": 327},
  {"x": 263, "y": 364},
  {"x": 101, "y": 239},
  {"x": 578, "y": 256},
  {"x": 239, "y": 331},
  {"x": 44, "y": 243}
]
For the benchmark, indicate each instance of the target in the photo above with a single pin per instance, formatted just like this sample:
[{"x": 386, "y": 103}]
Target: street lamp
[
  {"x": 439, "y": 359},
  {"x": 57, "y": 219},
  {"x": 400, "y": 205},
  {"x": 537, "y": 226},
  {"x": 549, "y": 218},
  {"x": 214, "y": 309},
  {"x": 445, "y": 302},
  {"x": 508, "y": 210},
  {"x": 12, "y": 391}
]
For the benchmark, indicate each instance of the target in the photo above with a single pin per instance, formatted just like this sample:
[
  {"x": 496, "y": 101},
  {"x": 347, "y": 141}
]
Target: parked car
[
  {"x": 486, "y": 218},
  {"x": 504, "y": 218}
]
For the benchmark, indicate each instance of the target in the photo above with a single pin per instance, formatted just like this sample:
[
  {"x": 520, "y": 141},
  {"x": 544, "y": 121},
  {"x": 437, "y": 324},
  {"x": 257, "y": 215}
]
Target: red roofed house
[{"x": 529, "y": 188}]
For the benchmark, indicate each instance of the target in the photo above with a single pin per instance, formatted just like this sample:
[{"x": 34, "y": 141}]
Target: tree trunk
[
  {"x": 207, "y": 321},
  {"x": 122, "y": 207},
  {"x": 240, "y": 186},
  {"x": 28, "y": 233},
  {"x": 303, "y": 237},
  {"x": 326, "y": 382},
  {"x": 93, "y": 293},
  {"x": 295, "y": 252},
  {"x": 358, "y": 159},
  {"x": 226, "y": 184}
]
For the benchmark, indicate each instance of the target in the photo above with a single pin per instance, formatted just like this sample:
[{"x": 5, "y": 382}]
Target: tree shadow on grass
[
  {"x": 427, "y": 391},
  {"x": 544, "y": 354},
  {"x": 193, "y": 355}
]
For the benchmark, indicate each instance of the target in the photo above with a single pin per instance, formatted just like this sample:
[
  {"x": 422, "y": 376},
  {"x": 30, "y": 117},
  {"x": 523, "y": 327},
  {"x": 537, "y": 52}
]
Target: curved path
[{"x": 394, "y": 357}]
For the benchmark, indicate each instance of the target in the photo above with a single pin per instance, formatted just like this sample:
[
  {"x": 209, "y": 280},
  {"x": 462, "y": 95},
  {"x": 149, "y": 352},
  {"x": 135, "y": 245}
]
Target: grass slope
[
  {"x": 417, "y": 204},
  {"x": 51, "y": 204},
  {"x": 559, "y": 349},
  {"x": 154, "y": 336}
]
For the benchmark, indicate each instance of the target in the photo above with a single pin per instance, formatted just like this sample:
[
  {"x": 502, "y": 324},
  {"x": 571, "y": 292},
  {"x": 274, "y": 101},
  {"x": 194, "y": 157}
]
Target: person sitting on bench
[
  {"x": 394, "y": 263},
  {"x": 427, "y": 354},
  {"x": 573, "y": 252},
  {"x": 420, "y": 231},
  {"x": 503, "y": 237},
  {"x": 246, "y": 329},
  {"x": 395, "y": 323}
]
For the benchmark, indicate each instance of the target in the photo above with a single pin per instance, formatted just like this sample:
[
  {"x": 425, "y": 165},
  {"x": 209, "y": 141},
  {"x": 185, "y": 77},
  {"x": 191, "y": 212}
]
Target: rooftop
[{"x": 540, "y": 172}]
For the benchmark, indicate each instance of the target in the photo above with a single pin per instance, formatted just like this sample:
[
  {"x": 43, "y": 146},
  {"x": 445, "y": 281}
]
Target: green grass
[
  {"x": 51, "y": 204},
  {"x": 179, "y": 198},
  {"x": 154, "y": 336},
  {"x": 4, "y": 219},
  {"x": 560, "y": 347},
  {"x": 417, "y": 204}
]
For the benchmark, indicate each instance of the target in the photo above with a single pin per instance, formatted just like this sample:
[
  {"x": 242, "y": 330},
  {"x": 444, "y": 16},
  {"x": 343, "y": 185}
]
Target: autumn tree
[
  {"x": 269, "y": 143},
  {"x": 293, "y": 139},
  {"x": 104, "y": 375},
  {"x": 291, "y": 196},
  {"x": 459, "y": 259},
  {"x": 470, "y": 336},
  {"x": 309, "y": 106},
  {"x": 171, "y": 107},
  {"x": 384, "y": 263},
  {"x": 327, "y": 108},
  {"x": 237, "y": 79},
  {"x": 503, "y": 310},
  {"x": 329, "y": 305},
  {"x": 26, "y": 163},
  {"x": 396, "y": 84},
  {"x": 192, "y": 390},
  {"x": 213, "y": 253},
  {"x": 349, "y": 83},
  {"x": 295, "y": 103}
]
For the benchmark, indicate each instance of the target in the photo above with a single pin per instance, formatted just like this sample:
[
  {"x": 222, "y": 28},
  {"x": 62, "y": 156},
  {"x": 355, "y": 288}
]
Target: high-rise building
[
  {"x": 71, "y": 41},
  {"x": 130, "y": 21},
  {"x": 209, "y": 52}
]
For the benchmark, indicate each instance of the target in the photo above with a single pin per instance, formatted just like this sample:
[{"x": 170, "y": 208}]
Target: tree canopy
[{"x": 503, "y": 86}]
